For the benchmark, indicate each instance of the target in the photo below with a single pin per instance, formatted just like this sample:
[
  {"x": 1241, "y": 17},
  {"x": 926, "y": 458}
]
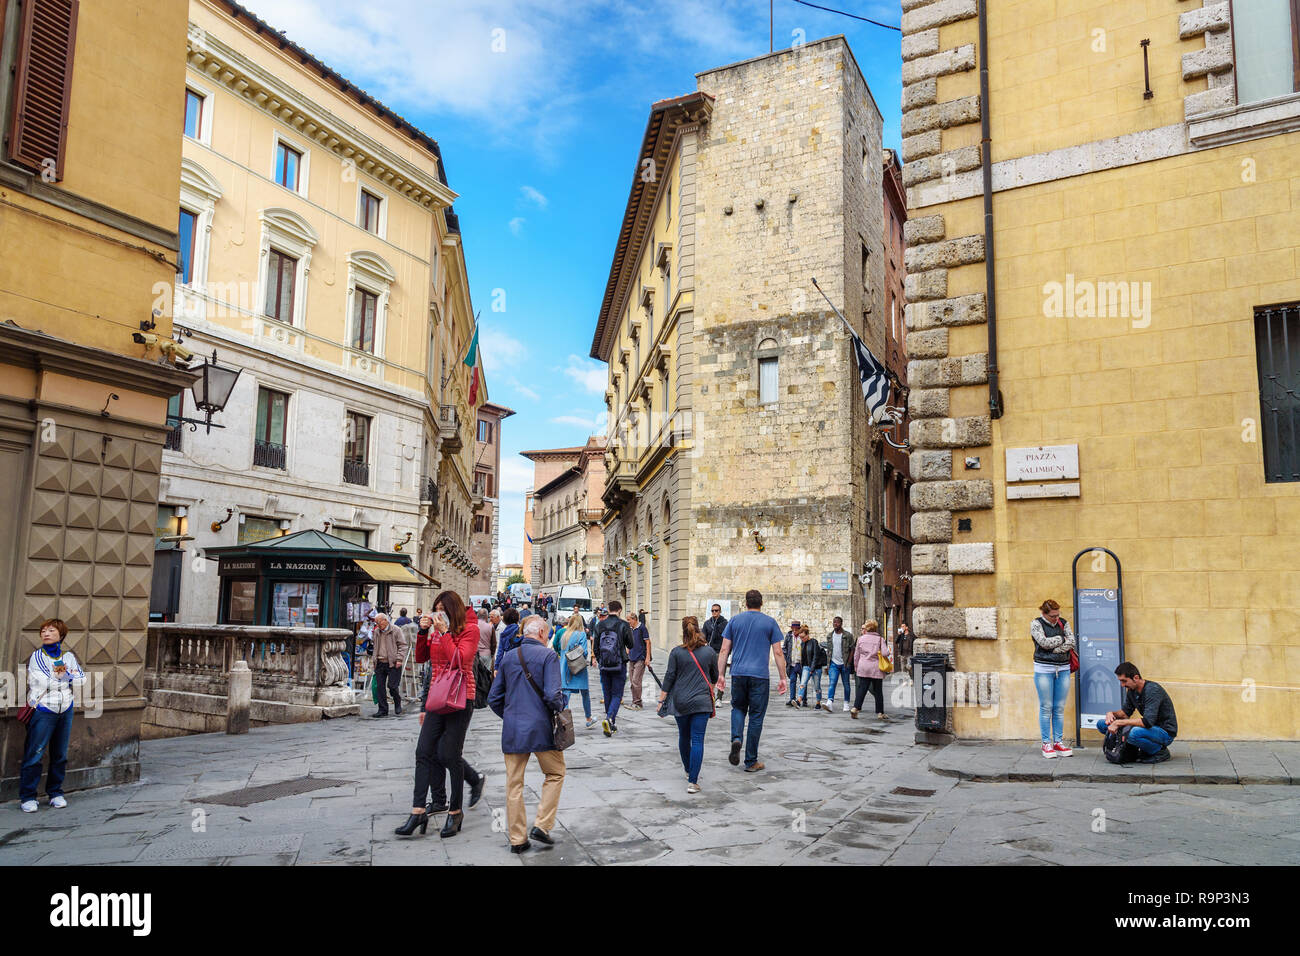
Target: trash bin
[{"x": 930, "y": 672}]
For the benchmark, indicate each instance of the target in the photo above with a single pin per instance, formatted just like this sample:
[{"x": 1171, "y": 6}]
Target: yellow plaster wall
[
  {"x": 1210, "y": 551},
  {"x": 66, "y": 274}
]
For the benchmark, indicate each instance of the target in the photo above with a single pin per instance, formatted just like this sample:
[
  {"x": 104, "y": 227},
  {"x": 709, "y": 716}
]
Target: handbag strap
[
  {"x": 527, "y": 673},
  {"x": 707, "y": 685}
]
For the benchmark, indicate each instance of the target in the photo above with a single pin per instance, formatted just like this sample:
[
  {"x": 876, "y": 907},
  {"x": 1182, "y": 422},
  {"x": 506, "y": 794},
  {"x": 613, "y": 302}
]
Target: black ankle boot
[
  {"x": 420, "y": 820},
  {"x": 452, "y": 825}
]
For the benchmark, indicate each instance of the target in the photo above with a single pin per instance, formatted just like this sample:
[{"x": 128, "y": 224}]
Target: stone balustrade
[{"x": 299, "y": 674}]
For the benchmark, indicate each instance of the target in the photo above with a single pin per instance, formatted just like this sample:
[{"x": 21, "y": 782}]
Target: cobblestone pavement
[{"x": 836, "y": 790}]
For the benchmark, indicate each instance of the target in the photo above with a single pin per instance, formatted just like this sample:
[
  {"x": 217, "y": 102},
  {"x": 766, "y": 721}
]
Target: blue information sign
[
  {"x": 1097, "y": 630},
  {"x": 835, "y": 580}
]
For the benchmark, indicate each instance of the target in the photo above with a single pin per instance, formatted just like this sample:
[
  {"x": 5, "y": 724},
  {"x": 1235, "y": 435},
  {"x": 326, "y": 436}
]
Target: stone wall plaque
[
  {"x": 1061, "y": 489},
  {"x": 1044, "y": 463}
]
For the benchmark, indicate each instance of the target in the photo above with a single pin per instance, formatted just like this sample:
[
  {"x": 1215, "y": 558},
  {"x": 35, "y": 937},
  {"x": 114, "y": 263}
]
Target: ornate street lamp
[{"x": 211, "y": 391}]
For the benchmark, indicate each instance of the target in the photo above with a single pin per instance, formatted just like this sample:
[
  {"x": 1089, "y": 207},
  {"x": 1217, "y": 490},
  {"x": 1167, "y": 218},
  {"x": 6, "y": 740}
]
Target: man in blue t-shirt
[{"x": 748, "y": 638}]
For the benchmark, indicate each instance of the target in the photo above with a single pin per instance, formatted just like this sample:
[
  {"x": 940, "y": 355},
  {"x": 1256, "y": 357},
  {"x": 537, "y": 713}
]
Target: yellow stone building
[
  {"x": 89, "y": 174},
  {"x": 1132, "y": 301},
  {"x": 320, "y": 255}
]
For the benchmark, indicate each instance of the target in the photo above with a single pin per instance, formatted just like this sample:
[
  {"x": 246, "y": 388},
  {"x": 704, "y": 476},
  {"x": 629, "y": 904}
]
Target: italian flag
[{"x": 471, "y": 359}]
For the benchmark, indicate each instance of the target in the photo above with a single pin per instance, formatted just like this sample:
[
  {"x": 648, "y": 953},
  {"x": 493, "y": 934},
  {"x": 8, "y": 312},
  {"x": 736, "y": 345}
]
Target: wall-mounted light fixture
[
  {"x": 398, "y": 546},
  {"x": 218, "y": 525}
]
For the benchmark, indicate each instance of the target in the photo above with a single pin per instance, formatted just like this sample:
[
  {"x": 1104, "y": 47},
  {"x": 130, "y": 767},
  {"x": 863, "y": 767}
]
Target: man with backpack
[
  {"x": 1156, "y": 725},
  {"x": 613, "y": 640}
]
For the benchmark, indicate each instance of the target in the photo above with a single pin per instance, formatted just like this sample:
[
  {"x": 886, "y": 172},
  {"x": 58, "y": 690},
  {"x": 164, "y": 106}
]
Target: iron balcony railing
[
  {"x": 356, "y": 472},
  {"x": 268, "y": 454},
  {"x": 428, "y": 490},
  {"x": 173, "y": 440}
]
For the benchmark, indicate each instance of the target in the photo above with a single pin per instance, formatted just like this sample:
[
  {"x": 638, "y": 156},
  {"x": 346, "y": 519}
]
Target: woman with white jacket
[{"x": 52, "y": 673}]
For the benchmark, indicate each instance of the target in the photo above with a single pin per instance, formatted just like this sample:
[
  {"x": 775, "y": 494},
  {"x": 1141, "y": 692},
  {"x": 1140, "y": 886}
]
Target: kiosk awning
[{"x": 387, "y": 571}]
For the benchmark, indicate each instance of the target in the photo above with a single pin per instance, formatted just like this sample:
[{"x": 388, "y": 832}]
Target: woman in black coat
[{"x": 688, "y": 688}]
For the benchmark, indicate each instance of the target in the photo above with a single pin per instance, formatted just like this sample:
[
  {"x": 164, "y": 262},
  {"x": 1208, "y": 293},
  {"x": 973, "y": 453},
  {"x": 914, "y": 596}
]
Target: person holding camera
[{"x": 52, "y": 673}]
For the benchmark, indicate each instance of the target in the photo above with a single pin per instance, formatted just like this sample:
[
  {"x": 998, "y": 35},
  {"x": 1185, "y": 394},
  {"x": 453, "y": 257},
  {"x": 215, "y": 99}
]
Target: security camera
[{"x": 175, "y": 351}]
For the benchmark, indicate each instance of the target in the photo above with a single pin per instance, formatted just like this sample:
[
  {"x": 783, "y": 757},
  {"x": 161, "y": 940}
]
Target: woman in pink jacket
[{"x": 866, "y": 664}]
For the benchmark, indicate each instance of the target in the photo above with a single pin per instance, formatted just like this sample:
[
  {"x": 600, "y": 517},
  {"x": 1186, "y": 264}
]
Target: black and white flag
[{"x": 875, "y": 385}]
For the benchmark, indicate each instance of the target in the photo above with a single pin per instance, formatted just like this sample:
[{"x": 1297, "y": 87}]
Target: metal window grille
[
  {"x": 1277, "y": 350},
  {"x": 268, "y": 454}
]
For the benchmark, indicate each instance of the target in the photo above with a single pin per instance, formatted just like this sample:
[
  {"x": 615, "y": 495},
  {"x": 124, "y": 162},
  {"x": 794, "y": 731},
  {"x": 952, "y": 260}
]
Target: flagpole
[{"x": 832, "y": 305}]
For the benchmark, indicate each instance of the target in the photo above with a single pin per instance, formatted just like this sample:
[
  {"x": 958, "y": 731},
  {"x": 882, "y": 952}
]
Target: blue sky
[{"x": 540, "y": 137}]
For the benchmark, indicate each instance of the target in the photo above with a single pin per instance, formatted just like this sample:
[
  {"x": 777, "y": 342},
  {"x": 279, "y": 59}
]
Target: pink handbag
[{"x": 447, "y": 689}]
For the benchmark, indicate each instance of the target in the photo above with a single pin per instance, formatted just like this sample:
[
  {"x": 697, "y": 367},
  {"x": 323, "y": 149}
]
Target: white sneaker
[
  {"x": 692, "y": 788},
  {"x": 29, "y": 806},
  {"x": 58, "y": 803}
]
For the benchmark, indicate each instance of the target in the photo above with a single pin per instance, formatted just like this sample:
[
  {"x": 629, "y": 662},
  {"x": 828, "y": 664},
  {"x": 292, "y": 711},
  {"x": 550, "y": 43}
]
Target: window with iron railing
[
  {"x": 269, "y": 434},
  {"x": 356, "y": 450},
  {"x": 1277, "y": 351}
]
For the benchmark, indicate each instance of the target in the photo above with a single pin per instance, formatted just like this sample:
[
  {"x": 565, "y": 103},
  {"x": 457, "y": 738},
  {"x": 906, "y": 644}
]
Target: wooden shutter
[{"x": 46, "y": 40}]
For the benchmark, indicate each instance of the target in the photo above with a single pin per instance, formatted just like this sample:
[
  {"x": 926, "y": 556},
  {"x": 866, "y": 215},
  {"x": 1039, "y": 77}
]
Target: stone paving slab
[
  {"x": 827, "y": 797},
  {"x": 1194, "y": 762}
]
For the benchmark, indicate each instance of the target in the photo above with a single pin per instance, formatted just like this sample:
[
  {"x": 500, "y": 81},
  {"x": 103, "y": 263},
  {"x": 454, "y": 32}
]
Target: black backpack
[
  {"x": 609, "y": 647},
  {"x": 1117, "y": 748}
]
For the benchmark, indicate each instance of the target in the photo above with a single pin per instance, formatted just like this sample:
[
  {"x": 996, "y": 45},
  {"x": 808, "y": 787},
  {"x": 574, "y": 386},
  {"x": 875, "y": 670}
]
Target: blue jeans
[
  {"x": 690, "y": 743},
  {"x": 1052, "y": 691},
  {"x": 586, "y": 700},
  {"x": 1148, "y": 740},
  {"x": 815, "y": 675},
  {"x": 749, "y": 696},
  {"x": 611, "y": 685},
  {"x": 45, "y": 731},
  {"x": 794, "y": 680},
  {"x": 839, "y": 672}
]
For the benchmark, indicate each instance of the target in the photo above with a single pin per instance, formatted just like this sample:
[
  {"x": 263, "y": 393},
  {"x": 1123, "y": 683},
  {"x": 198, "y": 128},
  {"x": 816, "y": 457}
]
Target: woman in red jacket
[{"x": 442, "y": 736}]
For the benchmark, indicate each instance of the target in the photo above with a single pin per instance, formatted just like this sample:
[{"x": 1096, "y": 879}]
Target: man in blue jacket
[{"x": 525, "y": 693}]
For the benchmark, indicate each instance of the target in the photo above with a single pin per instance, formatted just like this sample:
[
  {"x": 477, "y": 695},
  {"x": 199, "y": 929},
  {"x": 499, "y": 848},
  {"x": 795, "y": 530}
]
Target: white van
[
  {"x": 521, "y": 593},
  {"x": 574, "y": 597}
]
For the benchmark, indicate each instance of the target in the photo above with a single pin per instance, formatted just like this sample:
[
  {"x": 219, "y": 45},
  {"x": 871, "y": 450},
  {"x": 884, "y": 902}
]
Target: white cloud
[
  {"x": 500, "y": 350},
  {"x": 591, "y": 375},
  {"x": 520, "y": 68},
  {"x": 523, "y": 390},
  {"x": 517, "y": 225},
  {"x": 592, "y": 425},
  {"x": 516, "y": 475},
  {"x": 535, "y": 197}
]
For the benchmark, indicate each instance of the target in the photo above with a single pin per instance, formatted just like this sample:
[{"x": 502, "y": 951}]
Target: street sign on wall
[{"x": 835, "y": 580}]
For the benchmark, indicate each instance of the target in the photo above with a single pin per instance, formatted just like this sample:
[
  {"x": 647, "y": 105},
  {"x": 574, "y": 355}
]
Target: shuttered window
[{"x": 38, "y": 133}]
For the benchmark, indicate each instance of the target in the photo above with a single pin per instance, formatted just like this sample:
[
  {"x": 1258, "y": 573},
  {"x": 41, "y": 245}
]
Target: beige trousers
[{"x": 552, "y": 765}]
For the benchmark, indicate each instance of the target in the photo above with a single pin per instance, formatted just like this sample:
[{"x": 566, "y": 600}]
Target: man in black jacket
[
  {"x": 713, "y": 627},
  {"x": 613, "y": 668},
  {"x": 813, "y": 660},
  {"x": 790, "y": 649}
]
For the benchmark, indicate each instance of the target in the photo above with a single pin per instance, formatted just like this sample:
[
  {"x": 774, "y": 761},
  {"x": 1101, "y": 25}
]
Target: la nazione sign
[{"x": 1043, "y": 463}]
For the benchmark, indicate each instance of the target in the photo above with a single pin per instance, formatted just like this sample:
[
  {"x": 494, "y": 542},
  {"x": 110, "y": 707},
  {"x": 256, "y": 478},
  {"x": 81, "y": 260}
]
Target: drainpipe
[{"x": 995, "y": 394}]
